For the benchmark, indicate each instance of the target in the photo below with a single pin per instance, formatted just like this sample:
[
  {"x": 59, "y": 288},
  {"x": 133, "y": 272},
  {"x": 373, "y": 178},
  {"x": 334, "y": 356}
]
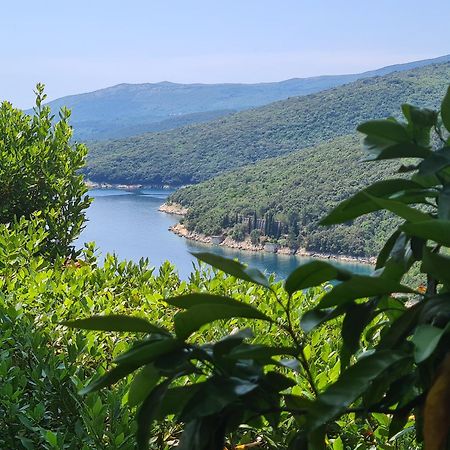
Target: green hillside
[
  {"x": 199, "y": 152},
  {"x": 130, "y": 109},
  {"x": 297, "y": 189}
]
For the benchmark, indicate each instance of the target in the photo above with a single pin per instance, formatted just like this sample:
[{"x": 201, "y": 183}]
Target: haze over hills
[
  {"x": 198, "y": 152},
  {"x": 130, "y": 109}
]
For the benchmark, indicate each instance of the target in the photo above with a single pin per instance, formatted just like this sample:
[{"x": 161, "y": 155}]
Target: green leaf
[
  {"x": 420, "y": 123},
  {"x": 426, "y": 338},
  {"x": 234, "y": 268},
  {"x": 247, "y": 351},
  {"x": 361, "y": 286},
  {"x": 399, "y": 208},
  {"x": 228, "y": 343},
  {"x": 445, "y": 110},
  {"x": 386, "y": 250},
  {"x": 216, "y": 394},
  {"x": 315, "y": 317},
  {"x": 404, "y": 150},
  {"x": 357, "y": 317},
  {"x": 147, "y": 413},
  {"x": 116, "y": 322},
  {"x": 361, "y": 204},
  {"x": 436, "y": 265},
  {"x": 444, "y": 204},
  {"x": 147, "y": 352},
  {"x": 350, "y": 386},
  {"x": 437, "y": 161},
  {"x": 214, "y": 308},
  {"x": 385, "y": 132},
  {"x": 312, "y": 274},
  {"x": 142, "y": 384},
  {"x": 437, "y": 230},
  {"x": 109, "y": 378}
]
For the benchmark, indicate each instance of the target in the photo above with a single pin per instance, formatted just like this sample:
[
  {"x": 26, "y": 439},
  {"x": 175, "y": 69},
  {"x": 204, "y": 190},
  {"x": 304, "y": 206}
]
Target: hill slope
[
  {"x": 195, "y": 153},
  {"x": 129, "y": 109},
  {"x": 298, "y": 190}
]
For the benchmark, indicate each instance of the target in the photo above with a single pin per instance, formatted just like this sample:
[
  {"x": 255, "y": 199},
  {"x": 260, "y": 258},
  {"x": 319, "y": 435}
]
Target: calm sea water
[{"x": 130, "y": 225}]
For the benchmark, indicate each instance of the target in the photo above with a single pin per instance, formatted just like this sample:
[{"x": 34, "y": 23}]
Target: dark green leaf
[
  {"x": 445, "y": 110},
  {"x": 142, "y": 384},
  {"x": 361, "y": 286},
  {"x": 437, "y": 230},
  {"x": 361, "y": 204},
  {"x": 386, "y": 250},
  {"x": 147, "y": 413},
  {"x": 260, "y": 351},
  {"x": 436, "y": 265},
  {"x": 434, "y": 163},
  {"x": 426, "y": 338},
  {"x": 444, "y": 204},
  {"x": 109, "y": 378},
  {"x": 147, "y": 352},
  {"x": 404, "y": 150},
  {"x": 234, "y": 268},
  {"x": 312, "y": 274},
  {"x": 315, "y": 317}
]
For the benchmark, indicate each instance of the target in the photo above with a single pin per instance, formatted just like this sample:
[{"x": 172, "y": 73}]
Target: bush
[{"x": 39, "y": 173}]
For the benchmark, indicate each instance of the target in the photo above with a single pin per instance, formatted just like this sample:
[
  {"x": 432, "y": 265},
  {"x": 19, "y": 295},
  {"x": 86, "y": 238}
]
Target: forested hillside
[
  {"x": 298, "y": 190},
  {"x": 131, "y": 109},
  {"x": 196, "y": 153}
]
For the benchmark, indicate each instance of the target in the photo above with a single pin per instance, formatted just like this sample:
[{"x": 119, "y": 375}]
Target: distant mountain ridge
[
  {"x": 198, "y": 152},
  {"x": 130, "y": 109}
]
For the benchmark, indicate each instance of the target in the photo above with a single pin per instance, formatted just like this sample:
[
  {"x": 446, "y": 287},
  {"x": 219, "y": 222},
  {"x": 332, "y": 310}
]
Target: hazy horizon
[{"x": 83, "y": 47}]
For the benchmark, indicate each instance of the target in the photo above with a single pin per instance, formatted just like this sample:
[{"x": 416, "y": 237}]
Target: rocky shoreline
[{"x": 180, "y": 230}]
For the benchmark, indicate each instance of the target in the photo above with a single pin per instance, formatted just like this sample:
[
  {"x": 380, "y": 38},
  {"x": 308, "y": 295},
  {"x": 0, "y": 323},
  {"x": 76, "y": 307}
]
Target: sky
[{"x": 81, "y": 46}]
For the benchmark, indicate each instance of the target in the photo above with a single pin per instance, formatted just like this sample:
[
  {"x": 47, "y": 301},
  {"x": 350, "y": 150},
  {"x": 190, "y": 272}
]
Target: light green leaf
[
  {"x": 116, "y": 322},
  {"x": 234, "y": 268}
]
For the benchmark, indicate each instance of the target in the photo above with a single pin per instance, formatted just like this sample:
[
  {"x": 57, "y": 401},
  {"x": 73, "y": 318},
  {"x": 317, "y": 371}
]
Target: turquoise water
[{"x": 130, "y": 225}]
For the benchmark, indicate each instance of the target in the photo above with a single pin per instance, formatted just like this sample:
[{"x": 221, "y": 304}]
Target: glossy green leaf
[
  {"x": 404, "y": 150},
  {"x": 437, "y": 230},
  {"x": 361, "y": 286},
  {"x": 426, "y": 338},
  {"x": 361, "y": 204},
  {"x": 400, "y": 209},
  {"x": 147, "y": 352},
  {"x": 234, "y": 268},
  {"x": 387, "y": 248},
  {"x": 312, "y": 274},
  {"x": 384, "y": 132},
  {"x": 116, "y": 322},
  {"x": 219, "y": 308},
  {"x": 257, "y": 351}
]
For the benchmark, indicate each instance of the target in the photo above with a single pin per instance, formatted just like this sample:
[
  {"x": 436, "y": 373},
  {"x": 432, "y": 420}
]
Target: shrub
[{"x": 39, "y": 173}]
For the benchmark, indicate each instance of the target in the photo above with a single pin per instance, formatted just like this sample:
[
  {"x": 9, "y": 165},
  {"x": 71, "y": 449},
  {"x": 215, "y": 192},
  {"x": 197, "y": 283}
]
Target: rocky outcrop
[{"x": 173, "y": 208}]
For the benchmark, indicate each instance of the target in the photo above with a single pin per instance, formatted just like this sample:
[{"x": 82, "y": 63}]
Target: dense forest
[
  {"x": 296, "y": 190},
  {"x": 199, "y": 152}
]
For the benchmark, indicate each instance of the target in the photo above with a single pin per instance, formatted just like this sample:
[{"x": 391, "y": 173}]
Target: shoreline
[
  {"x": 127, "y": 187},
  {"x": 180, "y": 230}
]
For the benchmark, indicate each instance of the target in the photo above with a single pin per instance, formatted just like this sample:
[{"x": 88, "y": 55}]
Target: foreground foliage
[
  {"x": 39, "y": 173},
  {"x": 393, "y": 355}
]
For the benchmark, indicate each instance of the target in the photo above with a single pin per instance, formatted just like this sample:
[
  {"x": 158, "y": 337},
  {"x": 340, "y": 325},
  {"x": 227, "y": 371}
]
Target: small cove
[{"x": 130, "y": 225}]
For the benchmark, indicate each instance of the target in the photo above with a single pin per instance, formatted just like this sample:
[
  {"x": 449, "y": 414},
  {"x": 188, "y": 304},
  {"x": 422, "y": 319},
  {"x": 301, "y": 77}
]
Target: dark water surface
[{"x": 130, "y": 225}]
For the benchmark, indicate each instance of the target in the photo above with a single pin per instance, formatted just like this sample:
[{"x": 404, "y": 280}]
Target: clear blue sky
[{"x": 81, "y": 46}]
